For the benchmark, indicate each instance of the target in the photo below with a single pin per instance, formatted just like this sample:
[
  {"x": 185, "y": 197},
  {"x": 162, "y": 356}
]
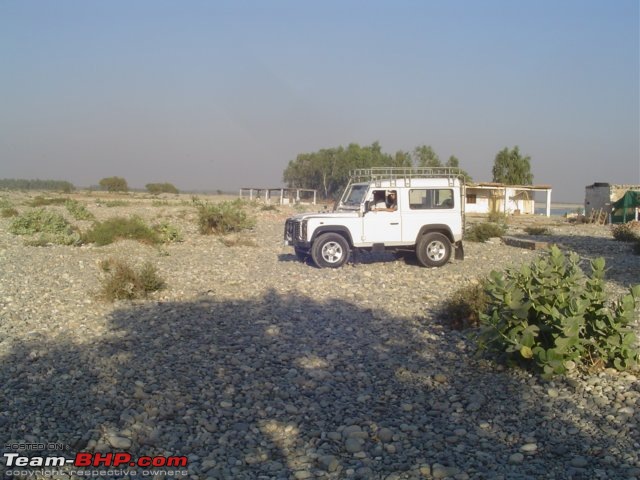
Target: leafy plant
[
  {"x": 626, "y": 232},
  {"x": 78, "y": 210},
  {"x": 481, "y": 232},
  {"x": 167, "y": 233},
  {"x": 550, "y": 316},
  {"x": 223, "y": 217},
  {"x": 119, "y": 228},
  {"x": 123, "y": 282},
  {"x": 116, "y": 203},
  {"x": 52, "y": 227}
]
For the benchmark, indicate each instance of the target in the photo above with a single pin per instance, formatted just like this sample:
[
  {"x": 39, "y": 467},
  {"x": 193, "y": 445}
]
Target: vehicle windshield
[{"x": 354, "y": 196}]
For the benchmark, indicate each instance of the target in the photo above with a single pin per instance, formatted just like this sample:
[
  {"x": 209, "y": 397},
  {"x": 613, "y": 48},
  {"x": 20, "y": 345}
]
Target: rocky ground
[{"x": 254, "y": 365}]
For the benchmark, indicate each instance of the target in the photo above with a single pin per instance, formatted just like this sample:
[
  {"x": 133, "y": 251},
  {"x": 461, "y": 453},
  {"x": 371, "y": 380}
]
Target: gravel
[{"x": 254, "y": 365}]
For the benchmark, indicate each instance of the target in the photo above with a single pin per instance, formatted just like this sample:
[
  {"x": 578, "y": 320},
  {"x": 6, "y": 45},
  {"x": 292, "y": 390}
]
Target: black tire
[
  {"x": 330, "y": 250},
  {"x": 433, "y": 250},
  {"x": 301, "y": 254}
]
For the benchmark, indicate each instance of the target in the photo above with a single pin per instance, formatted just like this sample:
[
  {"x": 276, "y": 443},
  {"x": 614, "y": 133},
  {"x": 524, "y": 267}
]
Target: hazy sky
[{"x": 223, "y": 94}]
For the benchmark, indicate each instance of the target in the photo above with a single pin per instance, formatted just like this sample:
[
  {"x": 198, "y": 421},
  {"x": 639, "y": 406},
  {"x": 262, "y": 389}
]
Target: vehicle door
[{"x": 382, "y": 223}]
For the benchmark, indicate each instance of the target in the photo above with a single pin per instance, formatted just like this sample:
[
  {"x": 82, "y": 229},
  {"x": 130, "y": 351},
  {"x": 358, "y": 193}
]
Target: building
[
  {"x": 508, "y": 199},
  {"x": 600, "y": 196}
]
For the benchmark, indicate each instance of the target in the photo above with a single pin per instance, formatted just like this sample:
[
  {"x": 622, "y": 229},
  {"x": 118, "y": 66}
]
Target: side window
[{"x": 431, "y": 198}]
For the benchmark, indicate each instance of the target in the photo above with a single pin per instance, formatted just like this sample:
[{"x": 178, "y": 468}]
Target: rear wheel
[
  {"x": 433, "y": 250},
  {"x": 330, "y": 250}
]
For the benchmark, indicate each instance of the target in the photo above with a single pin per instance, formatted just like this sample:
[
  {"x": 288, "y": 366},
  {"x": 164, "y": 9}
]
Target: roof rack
[{"x": 376, "y": 174}]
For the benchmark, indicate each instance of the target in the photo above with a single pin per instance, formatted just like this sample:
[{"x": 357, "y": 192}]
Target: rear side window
[{"x": 431, "y": 198}]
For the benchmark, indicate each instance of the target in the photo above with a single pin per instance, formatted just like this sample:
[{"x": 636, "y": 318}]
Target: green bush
[
  {"x": 626, "y": 232},
  {"x": 497, "y": 217},
  {"x": 52, "y": 227},
  {"x": 156, "y": 188},
  {"x": 123, "y": 282},
  {"x": 481, "y": 232},
  {"x": 78, "y": 210},
  {"x": 119, "y": 228},
  {"x": 551, "y": 317},
  {"x": 221, "y": 218},
  {"x": 167, "y": 233}
]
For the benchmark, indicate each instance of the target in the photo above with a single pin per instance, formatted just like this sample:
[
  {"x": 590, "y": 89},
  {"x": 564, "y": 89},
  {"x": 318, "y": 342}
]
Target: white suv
[{"x": 426, "y": 216}]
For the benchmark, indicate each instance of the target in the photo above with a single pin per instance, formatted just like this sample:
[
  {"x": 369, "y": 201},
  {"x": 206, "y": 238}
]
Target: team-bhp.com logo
[{"x": 86, "y": 460}]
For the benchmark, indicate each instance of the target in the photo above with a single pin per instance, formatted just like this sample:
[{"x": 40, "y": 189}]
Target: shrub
[
  {"x": 52, "y": 227},
  {"x": 8, "y": 212},
  {"x": 221, "y": 218},
  {"x": 78, "y": 210},
  {"x": 119, "y": 228},
  {"x": 497, "y": 217},
  {"x": 269, "y": 208},
  {"x": 537, "y": 231},
  {"x": 116, "y": 203},
  {"x": 123, "y": 282},
  {"x": 626, "y": 232},
  {"x": 463, "y": 308},
  {"x": 551, "y": 317},
  {"x": 481, "y": 232},
  {"x": 114, "y": 184},
  {"x": 41, "y": 201},
  {"x": 167, "y": 233},
  {"x": 157, "y": 188}
]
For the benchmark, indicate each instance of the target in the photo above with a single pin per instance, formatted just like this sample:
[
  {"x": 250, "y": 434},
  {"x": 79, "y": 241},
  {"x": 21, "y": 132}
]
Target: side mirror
[{"x": 367, "y": 206}]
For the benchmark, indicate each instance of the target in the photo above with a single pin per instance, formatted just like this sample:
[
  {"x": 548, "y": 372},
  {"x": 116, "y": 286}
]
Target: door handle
[{"x": 394, "y": 223}]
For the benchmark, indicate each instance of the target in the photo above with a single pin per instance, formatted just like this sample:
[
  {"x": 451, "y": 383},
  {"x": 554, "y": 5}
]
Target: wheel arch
[
  {"x": 442, "y": 228},
  {"x": 340, "y": 230}
]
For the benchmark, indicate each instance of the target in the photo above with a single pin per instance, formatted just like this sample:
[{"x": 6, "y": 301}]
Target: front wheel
[
  {"x": 433, "y": 250},
  {"x": 330, "y": 250}
]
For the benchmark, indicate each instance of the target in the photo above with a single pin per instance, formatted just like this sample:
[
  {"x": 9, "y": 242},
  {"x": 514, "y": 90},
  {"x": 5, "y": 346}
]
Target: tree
[
  {"x": 114, "y": 184},
  {"x": 511, "y": 168},
  {"x": 425, "y": 156},
  {"x": 453, "y": 162},
  {"x": 156, "y": 188}
]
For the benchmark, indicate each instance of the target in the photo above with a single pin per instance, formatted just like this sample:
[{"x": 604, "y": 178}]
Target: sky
[{"x": 212, "y": 95}]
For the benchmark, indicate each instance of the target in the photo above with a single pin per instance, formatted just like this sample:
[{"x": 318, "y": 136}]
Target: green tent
[{"x": 623, "y": 210}]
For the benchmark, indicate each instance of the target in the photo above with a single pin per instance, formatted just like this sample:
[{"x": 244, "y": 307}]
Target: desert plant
[
  {"x": 481, "y": 232},
  {"x": 52, "y": 227},
  {"x": 124, "y": 282},
  {"x": 550, "y": 316},
  {"x": 78, "y": 210},
  {"x": 626, "y": 232},
  {"x": 537, "y": 231},
  {"x": 116, "y": 203},
  {"x": 8, "y": 212},
  {"x": 497, "y": 217},
  {"x": 119, "y": 228},
  {"x": 167, "y": 232},
  {"x": 40, "y": 201},
  {"x": 222, "y": 218},
  {"x": 463, "y": 308},
  {"x": 269, "y": 208}
]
